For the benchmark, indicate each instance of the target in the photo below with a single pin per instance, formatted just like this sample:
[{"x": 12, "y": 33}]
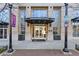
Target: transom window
[
  {"x": 4, "y": 15},
  {"x": 39, "y": 12}
]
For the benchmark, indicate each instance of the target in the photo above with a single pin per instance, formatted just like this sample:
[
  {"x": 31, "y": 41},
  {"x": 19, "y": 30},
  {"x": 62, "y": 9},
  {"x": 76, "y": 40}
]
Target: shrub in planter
[
  {"x": 2, "y": 49},
  {"x": 77, "y": 47}
]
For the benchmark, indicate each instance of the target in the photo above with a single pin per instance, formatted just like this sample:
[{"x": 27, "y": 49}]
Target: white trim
[
  {"x": 4, "y": 39},
  {"x": 3, "y": 34}
]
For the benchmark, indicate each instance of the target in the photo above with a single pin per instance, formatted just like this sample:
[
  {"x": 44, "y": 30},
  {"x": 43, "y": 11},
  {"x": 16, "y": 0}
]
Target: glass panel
[
  {"x": 22, "y": 14},
  {"x": 57, "y": 23},
  {"x": 39, "y": 31},
  {"x": 22, "y": 22},
  {"x": 1, "y": 33},
  {"x": 39, "y": 13},
  {"x": 3, "y": 26},
  {"x": 5, "y": 33},
  {"x": 76, "y": 30},
  {"x": 4, "y": 15}
]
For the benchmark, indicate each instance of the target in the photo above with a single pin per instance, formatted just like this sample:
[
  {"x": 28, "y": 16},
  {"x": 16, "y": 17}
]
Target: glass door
[{"x": 39, "y": 32}]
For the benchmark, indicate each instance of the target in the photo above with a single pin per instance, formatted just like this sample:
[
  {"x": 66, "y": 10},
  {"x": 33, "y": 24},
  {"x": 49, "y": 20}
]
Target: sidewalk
[{"x": 42, "y": 52}]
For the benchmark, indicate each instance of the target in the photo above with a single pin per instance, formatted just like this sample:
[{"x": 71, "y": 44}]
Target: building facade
[{"x": 40, "y": 26}]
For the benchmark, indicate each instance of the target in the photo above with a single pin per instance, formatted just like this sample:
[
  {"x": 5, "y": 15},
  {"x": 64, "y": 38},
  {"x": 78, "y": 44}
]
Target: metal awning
[
  {"x": 39, "y": 20},
  {"x": 4, "y": 23},
  {"x": 76, "y": 19}
]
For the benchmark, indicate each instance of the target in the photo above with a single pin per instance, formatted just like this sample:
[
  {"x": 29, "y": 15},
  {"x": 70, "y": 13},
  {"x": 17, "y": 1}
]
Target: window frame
[
  {"x": 39, "y": 10},
  {"x": 4, "y": 15},
  {"x": 21, "y": 19},
  {"x": 56, "y": 30},
  {"x": 21, "y": 28},
  {"x": 3, "y": 35},
  {"x": 76, "y": 30}
]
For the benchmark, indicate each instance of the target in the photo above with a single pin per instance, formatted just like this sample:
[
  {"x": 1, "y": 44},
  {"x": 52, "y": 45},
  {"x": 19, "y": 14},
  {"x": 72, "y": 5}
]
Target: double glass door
[{"x": 39, "y": 32}]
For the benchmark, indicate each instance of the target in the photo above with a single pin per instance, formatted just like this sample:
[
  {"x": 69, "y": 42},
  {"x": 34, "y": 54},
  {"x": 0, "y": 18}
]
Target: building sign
[{"x": 13, "y": 20}]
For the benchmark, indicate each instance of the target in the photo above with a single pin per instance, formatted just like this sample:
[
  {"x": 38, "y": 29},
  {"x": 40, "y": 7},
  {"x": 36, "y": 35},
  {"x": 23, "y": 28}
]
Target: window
[
  {"x": 22, "y": 20},
  {"x": 39, "y": 13},
  {"x": 75, "y": 30},
  {"x": 22, "y": 14},
  {"x": 3, "y": 31},
  {"x": 75, "y": 12},
  {"x": 4, "y": 15},
  {"x": 57, "y": 23}
]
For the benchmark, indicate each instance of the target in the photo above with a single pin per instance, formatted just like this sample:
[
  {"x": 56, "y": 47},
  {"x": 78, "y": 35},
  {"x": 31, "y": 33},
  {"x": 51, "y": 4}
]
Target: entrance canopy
[
  {"x": 4, "y": 23},
  {"x": 39, "y": 20},
  {"x": 76, "y": 19}
]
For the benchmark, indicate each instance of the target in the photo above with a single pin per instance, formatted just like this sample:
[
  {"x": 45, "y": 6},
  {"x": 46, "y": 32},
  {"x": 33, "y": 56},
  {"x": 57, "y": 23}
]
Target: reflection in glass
[
  {"x": 39, "y": 32},
  {"x": 4, "y": 15},
  {"x": 39, "y": 13},
  {"x": 1, "y": 33},
  {"x": 76, "y": 30},
  {"x": 57, "y": 24},
  {"x": 5, "y": 33}
]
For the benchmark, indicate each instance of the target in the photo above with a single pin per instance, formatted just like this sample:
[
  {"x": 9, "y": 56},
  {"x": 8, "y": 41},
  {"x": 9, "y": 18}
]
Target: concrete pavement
[{"x": 41, "y": 52}]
